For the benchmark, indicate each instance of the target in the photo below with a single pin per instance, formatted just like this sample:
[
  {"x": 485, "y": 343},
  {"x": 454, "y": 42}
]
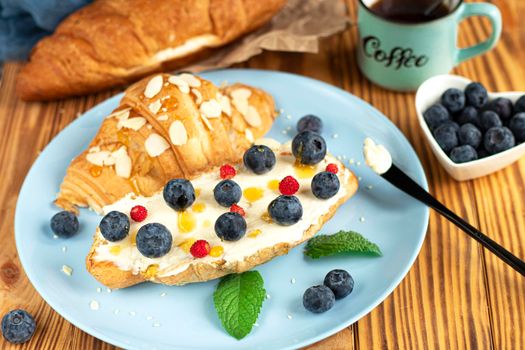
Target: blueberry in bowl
[
  {"x": 436, "y": 115},
  {"x": 498, "y": 139},
  {"x": 463, "y": 154},
  {"x": 476, "y": 95},
  {"x": 491, "y": 133},
  {"x": 454, "y": 100},
  {"x": 470, "y": 135},
  {"x": 446, "y": 136}
]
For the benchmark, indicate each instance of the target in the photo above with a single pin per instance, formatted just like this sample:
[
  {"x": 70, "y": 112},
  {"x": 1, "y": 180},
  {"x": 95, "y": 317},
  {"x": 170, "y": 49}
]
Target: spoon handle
[{"x": 402, "y": 181}]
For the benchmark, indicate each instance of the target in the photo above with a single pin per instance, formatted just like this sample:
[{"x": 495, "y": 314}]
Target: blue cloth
[{"x": 24, "y": 22}]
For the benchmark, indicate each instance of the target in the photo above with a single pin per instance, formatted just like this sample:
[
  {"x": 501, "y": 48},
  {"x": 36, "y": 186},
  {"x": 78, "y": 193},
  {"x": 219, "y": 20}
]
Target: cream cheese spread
[
  {"x": 267, "y": 234},
  {"x": 377, "y": 156}
]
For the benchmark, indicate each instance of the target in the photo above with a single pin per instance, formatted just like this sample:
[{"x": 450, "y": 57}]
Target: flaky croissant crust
[{"x": 165, "y": 127}]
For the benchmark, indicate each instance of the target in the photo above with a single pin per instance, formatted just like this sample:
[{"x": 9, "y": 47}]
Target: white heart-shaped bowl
[{"x": 429, "y": 93}]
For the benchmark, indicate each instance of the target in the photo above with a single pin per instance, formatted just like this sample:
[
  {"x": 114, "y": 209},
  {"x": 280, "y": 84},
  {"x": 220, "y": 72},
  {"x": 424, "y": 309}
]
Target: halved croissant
[
  {"x": 115, "y": 42},
  {"x": 165, "y": 127}
]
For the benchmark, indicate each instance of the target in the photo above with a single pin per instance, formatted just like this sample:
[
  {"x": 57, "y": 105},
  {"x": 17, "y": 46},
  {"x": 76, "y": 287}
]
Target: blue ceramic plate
[{"x": 150, "y": 316}]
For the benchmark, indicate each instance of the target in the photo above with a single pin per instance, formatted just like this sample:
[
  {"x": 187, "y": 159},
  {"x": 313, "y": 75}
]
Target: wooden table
[{"x": 456, "y": 296}]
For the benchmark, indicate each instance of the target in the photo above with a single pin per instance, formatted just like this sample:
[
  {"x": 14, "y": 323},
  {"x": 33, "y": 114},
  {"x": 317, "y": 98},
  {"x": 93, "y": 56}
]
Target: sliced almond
[
  {"x": 206, "y": 122},
  {"x": 241, "y": 105},
  {"x": 198, "y": 96},
  {"x": 241, "y": 94},
  {"x": 249, "y": 135},
  {"x": 122, "y": 114},
  {"x": 100, "y": 158},
  {"x": 252, "y": 117},
  {"x": 156, "y": 145},
  {"x": 181, "y": 83},
  {"x": 122, "y": 162},
  {"x": 155, "y": 106},
  {"x": 224, "y": 101},
  {"x": 178, "y": 134},
  {"x": 133, "y": 123},
  {"x": 154, "y": 86},
  {"x": 162, "y": 117},
  {"x": 211, "y": 109},
  {"x": 190, "y": 79}
]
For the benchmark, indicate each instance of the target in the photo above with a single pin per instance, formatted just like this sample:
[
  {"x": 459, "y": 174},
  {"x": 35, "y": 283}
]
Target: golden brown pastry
[
  {"x": 166, "y": 126},
  {"x": 115, "y": 42},
  {"x": 120, "y": 264}
]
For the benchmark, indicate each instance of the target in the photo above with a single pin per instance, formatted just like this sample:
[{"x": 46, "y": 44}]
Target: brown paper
[{"x": 296, "y": 28}]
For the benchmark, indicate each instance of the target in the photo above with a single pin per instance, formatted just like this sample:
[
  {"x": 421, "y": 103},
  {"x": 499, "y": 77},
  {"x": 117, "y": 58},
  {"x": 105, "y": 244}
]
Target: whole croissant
[
  {"x": 166, "y": 126},
  {"x": 115, "y": 42}
]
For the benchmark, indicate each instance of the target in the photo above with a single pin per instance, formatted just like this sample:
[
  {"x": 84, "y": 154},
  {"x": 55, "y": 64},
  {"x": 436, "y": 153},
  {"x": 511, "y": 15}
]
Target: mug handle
[{"x": 480, "y": 9}]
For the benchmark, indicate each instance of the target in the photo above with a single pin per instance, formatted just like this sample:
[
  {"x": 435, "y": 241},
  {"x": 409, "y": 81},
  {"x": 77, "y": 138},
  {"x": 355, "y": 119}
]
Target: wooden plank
[{"x": 456, "y": 296}]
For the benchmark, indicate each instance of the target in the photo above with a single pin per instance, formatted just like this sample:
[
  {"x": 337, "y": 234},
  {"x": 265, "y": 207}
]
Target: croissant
[
  {"x": 115, "y": 42},
  {"x": 166, "y": 126}
]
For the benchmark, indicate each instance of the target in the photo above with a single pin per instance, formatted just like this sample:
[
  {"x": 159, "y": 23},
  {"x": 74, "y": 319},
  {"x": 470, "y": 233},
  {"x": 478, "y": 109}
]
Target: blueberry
[
  {"x": 18, "y": 326},
  {"x": 453, "y": 99},
  {"x": 482, "y": 153},
  {"x": 179, "y": 194},
  {"x": 463, "y": 154},
  {"x": 230, "y": 226},
  {"x": 498, "y": 139},
  {"x": 502, "y": 106},
  {"x": 259, "y": 158},
  {"x": 310, "y": 122},
  {"x": 470, "y": 135},
  {"x": 489, "y": 119},
  {"x": 435, "y": 116},
  {"x": 64, "y": 224},
  {"x": 517, "y": 126},
  {"x": 468, "y": 115},
  {"x": 114, "y": 226},
  {"x": 476, "y": 95},
  {"x": 340, "y": 282},
  {"x": 285, "y": 210},
  {"x": 519, "y": 106},
  {"x": 447, "y": 137},
  {"x": 309, "y": 147},
  {"x": 154, "y": 240},
  {"x": 227, "y": 192},
  {"x": 318, "y": 299},
  {"x": 455, "y": 126},
  {"x": 325, "y": 185}
]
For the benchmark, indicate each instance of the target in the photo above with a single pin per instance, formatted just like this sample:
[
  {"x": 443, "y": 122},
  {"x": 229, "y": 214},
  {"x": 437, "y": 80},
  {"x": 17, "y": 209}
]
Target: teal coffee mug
[{"x": 400, "y": 55}]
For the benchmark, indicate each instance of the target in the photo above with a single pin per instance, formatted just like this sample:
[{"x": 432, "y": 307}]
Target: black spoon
[{"x": 399, "y": 179}]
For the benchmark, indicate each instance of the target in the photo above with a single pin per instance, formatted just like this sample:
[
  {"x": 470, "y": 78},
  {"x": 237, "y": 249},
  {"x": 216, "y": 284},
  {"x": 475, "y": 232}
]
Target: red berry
[
  {"x": 332, "y": 168},
  {"x": 138, "y": 213},
  {"x": 288, "y": 186},
  {"x": 237, "y": 209},
  {"x": 227, "y": 171},
  {"x": 200, "y": 248}
]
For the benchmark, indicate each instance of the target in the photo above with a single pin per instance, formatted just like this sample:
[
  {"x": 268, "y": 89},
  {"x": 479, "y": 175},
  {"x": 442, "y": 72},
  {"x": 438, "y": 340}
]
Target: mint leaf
[
  {"x": 238, "y": 300},
  {"x": 340, "y": 242}
]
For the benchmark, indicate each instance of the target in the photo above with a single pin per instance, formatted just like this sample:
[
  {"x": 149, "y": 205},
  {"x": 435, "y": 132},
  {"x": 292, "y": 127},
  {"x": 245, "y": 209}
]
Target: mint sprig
[
  {"x": 238, "y": 300},
  {"x": 340, "y": 242}
]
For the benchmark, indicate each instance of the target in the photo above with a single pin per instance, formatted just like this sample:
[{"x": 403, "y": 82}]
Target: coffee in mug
[{"x": 404, "y": 42}]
